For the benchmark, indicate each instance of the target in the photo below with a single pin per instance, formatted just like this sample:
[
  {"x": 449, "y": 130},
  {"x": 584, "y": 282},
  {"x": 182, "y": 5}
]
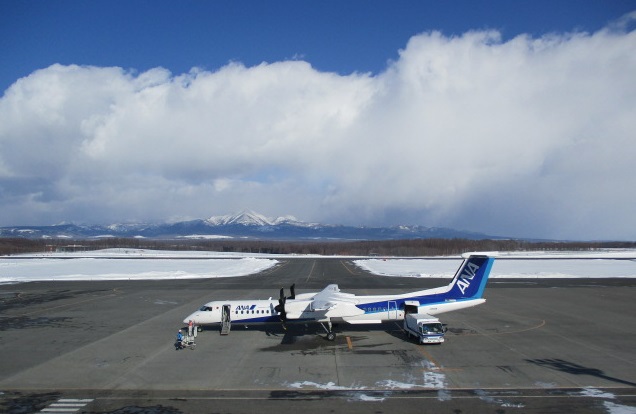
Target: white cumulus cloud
[{"x": 526, "y": 137}]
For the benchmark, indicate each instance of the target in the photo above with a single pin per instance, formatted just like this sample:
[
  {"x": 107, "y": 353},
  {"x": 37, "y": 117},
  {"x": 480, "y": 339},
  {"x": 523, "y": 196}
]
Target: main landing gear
[{"x": 331, "y": 335}]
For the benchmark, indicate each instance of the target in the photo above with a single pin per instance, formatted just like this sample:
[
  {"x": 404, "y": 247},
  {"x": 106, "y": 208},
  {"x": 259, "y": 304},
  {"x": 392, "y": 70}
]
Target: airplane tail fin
[{"x": 471, "y": 277}]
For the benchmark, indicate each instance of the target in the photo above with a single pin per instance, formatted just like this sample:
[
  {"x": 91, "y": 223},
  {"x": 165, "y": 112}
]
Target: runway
[{"x": 534, "y": 346}]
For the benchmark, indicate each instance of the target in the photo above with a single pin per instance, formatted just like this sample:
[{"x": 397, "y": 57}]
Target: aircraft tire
[{"x": 331, "y": 336}]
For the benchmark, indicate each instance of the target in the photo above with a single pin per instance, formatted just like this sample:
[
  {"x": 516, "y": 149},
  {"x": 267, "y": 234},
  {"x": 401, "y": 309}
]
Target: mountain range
[{"x": 246, "y": 224}]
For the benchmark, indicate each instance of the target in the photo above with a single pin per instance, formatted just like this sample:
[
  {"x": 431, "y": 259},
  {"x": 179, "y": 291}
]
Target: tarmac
[{"x": 540, "y": 345}]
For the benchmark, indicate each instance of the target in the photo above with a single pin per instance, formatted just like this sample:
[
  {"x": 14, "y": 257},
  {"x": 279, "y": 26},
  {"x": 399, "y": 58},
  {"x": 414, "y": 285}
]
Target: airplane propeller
[
  {"x": 280, "y": 308},
  {"x": 282, "y": 300}
]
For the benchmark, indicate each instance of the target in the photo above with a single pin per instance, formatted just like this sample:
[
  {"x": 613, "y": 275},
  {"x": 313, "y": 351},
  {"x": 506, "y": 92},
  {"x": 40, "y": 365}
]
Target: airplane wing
[
  {"x": 328, "y": 303},
  {"x": 335, "y": 303},
  {"x": 326, "y": 298}
]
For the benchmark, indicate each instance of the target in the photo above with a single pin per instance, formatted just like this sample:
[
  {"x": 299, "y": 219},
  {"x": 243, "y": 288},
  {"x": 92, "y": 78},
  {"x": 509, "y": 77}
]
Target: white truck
[{"x": 426, "y": 328}]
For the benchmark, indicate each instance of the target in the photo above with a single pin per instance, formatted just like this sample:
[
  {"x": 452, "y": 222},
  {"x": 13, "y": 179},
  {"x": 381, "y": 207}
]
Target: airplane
[{"x": 331, "y": 306}]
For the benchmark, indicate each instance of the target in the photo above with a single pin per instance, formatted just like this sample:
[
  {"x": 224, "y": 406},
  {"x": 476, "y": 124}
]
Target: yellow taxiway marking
[
  {"x": 311, "y": 271},
  {"x": 344, "y": 264},
  {"x": 427, "y": 355}
]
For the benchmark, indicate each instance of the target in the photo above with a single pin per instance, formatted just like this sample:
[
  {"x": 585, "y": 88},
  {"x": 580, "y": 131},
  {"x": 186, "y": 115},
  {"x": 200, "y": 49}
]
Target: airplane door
[
  {"x": 225, "y": 316},
  {"x": 393, "y": 311},
  {"x": 226, "y": 320}
]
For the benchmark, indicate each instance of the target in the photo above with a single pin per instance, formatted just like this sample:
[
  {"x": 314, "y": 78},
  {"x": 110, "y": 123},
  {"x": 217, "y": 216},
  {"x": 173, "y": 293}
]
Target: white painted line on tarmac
[
  {"x": 67, "y": 405},
  {"x": 75, "y": 400}
]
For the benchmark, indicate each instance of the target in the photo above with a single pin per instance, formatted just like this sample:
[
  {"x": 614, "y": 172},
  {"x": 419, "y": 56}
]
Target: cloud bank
[{"x": 531, "y": 137}]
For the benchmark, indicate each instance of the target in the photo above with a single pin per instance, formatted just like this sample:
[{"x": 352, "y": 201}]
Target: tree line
[{"x": 403, "y": 248}]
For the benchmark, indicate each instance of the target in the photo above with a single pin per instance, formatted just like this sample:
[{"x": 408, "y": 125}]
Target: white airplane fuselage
[{"x": 332, "y": 305}]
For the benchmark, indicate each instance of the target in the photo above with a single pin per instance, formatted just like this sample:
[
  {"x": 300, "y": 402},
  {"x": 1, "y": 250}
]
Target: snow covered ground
[
  {"x": 132, "y": 264},
  {"x": 518, "y": 265},
  {"x": 128, "y": 264}
]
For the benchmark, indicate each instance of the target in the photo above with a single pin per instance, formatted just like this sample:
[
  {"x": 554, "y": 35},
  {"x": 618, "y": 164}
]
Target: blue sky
[
  {"x": 508, "y": 118},
  {"x": 338, "y": 36}
]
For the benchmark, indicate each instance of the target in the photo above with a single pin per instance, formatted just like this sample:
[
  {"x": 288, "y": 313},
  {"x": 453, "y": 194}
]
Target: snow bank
[
  {"x": 136, "y": 264},
  {"x": 532, "y": 265},
  {"x": 129, "y": 265}
]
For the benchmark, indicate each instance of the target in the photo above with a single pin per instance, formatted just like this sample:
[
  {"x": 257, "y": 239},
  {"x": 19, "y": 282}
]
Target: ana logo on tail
[
  {"x": 469, "y": 272},
  {"x": 470, "y": 280}
]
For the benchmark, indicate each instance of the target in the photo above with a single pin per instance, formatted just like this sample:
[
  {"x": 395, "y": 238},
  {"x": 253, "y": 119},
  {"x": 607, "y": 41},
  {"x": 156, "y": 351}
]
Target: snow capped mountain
[
  {"x": 293, "y": 221},
  {"x": 246, "y": 224},
  {"x": 251, "y": 218},
  {"x": 245, "y": 218}
]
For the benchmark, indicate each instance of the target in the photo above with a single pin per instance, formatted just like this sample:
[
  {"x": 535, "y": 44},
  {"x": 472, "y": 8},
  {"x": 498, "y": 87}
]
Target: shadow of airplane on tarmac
[{"x": 576, "y": 369}]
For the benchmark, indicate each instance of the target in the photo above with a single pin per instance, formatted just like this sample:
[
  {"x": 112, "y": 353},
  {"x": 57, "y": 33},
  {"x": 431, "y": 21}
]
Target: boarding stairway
[{"x": 226, "y": 323}]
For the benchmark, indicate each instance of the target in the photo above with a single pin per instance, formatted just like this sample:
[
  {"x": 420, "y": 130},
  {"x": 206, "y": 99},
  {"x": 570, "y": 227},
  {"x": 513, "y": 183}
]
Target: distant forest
[{"x": 417, "y": 247}]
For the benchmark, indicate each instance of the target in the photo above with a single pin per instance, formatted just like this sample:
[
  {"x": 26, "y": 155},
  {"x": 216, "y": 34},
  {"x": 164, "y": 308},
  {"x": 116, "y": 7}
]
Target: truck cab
[{"x": 426, "y": 328}]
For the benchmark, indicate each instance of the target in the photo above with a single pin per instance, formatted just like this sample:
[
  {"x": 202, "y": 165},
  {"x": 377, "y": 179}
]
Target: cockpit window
[{"x": 205, "y": 308}]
